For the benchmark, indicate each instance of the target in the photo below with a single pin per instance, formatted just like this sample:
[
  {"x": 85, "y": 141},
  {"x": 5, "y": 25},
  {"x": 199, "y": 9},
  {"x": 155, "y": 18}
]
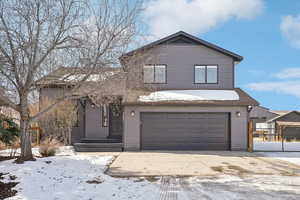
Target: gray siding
[
  {"x": 52, "y": 92},
  {"x": 238, "y": 125},
  {"x": 180, "y": 61}
]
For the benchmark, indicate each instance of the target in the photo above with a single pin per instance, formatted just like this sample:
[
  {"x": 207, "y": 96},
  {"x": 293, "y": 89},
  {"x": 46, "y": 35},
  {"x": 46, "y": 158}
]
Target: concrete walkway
[{"x": 198, "y": 163}]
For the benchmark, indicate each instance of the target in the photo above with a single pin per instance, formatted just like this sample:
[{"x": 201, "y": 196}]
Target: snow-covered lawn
[
  {"x": 62, "y": 151},
  {"x": 81, "y": 177},
  {"x": 74, "y": 177},
  {"x": 275, "y": 146}
]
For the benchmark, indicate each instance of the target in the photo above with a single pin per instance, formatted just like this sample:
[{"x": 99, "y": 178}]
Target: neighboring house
[
  {"x": 179, "y": 94},
  {"x": 287, "y": 124},
  {"x": 260, "y": 114}
]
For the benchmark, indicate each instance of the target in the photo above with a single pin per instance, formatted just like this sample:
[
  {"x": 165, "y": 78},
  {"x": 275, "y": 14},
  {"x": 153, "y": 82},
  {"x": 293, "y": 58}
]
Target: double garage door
[{"x": 185, "y": 131}]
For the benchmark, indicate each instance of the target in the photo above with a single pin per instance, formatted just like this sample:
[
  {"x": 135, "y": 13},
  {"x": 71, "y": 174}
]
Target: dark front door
[
  {"x": 115, "y": 121},
  {"x": 185, "y": 131}
]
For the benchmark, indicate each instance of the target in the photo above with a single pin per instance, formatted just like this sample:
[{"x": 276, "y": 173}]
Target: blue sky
[{"x": 265, "y": 32}]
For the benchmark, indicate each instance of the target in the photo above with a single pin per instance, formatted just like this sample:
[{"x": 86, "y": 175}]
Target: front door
[{"x": 115, "y": 120}]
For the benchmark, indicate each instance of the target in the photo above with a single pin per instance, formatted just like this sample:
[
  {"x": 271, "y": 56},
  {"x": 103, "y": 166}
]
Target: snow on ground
[
  {"x": 62, "y": 151},
  {"x": 65, "y": 177},
  {"x": 293, "y": 157},
  {"x": 190, "y": 95},
  {"x": 275, "y": 146},
  {"x": 242, "y": 188}
]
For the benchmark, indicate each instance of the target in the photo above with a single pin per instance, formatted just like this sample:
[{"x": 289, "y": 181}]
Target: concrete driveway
[{"x": 198, "y": 163}]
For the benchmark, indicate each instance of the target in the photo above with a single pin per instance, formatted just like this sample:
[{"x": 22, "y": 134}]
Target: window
[
  {"x": 149, "y": 74},
  {"x": 211, "y": 74},
  {"x": 200, "y": 74},
  {"x": 104, "y": 116},
  {"x": 206, "y": 74},
  {"x": 155, "y": 74}
]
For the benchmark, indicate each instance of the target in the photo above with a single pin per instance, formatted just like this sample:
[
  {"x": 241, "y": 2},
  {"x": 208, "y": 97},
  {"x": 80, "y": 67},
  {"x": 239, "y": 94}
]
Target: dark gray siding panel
[
  {"x": 180, "y": 61},
  {"x": 184, "y": 131}
]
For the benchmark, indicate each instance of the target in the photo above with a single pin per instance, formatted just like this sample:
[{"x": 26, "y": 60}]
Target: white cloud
[
  {"x": 290, "y": 28},
  {"x": 288, "y": 73},
  {"x": 283, "y": 87},
  {"x": 196, "y": 16},
  {"x": 287, "y": 82}
]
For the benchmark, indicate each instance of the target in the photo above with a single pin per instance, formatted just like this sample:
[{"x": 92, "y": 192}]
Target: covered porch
[{"x": 99, "y": 126}]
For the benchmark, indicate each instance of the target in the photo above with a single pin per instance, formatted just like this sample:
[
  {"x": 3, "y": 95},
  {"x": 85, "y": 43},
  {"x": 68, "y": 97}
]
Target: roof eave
[{"x": 235, "y": 56}]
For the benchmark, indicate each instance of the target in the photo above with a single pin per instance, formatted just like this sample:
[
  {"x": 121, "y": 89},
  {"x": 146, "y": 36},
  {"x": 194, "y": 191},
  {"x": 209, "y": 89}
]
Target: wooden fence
[{"x": 35, "y": 134}]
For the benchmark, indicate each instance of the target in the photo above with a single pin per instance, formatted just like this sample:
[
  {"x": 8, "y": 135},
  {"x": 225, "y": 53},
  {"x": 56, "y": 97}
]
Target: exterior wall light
[
  {"x": 238, "y": 113},
  {"x": 250, "y": 108},
  {"x": 132, "y": 113}
]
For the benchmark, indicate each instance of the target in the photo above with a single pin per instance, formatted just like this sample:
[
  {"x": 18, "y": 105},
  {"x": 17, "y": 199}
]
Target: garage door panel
[
  {"x": 180, "y": 146},
  {"x": 179, "y": 131},
  {"x": 165, "y": 139},
  {"x": 187, "y": 136}
]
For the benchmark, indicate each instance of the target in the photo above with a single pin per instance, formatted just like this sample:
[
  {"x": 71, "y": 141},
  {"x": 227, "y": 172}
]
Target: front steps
[{"x": 99, "y": 145}]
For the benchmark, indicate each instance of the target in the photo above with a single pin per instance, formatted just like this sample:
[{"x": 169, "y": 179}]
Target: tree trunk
[{"x": 26, "y": 152}]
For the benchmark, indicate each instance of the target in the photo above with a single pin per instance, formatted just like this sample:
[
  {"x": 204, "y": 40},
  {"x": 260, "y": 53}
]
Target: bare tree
[{"x": 38, "y": 36}]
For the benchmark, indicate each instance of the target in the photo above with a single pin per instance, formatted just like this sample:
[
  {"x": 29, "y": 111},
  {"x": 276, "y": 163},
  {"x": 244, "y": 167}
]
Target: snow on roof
[
  {"x": 190, "y": 95},
  {"x": 91, "y": 78}
]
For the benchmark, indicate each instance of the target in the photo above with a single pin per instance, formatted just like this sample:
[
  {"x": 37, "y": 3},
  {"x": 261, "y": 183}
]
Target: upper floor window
[
  {"x": 206, "y": 74},
  {"x": 155, "y": 74}
]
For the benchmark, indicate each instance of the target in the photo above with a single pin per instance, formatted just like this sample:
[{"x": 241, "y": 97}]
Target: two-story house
[{"x": 181, "y": 95}]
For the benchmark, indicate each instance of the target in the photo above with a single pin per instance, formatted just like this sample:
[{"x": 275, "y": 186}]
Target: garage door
[{"x": 184, "y": 131}]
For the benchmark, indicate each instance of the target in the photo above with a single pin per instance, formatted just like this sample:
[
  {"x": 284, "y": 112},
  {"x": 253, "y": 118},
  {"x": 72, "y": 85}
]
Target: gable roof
[
  {"x": 281, "y": 116},
  {"x": 280, "y": 112},
  {"x": 190, "y": 39},
  {"x": 56, "y": 77}
]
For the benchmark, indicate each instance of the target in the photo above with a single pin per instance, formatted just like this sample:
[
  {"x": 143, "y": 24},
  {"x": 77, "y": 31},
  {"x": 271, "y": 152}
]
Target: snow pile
[
  {"x": 73, "y": 177},
  {"x": 275, "y": 146},
  {"x": 190, "y": 95}
]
